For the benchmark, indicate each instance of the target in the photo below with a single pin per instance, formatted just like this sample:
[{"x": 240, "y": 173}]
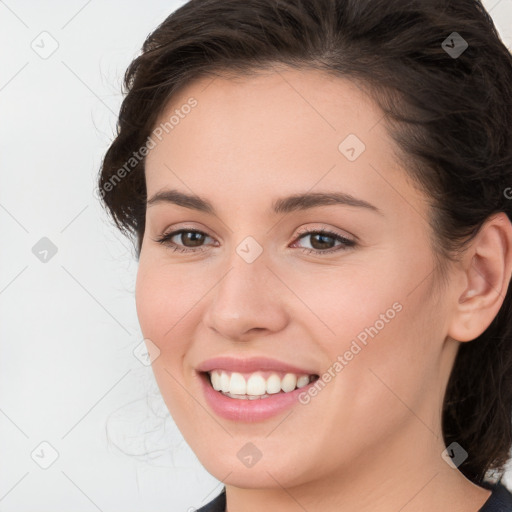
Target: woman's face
[{"x": 362, "y": 315}]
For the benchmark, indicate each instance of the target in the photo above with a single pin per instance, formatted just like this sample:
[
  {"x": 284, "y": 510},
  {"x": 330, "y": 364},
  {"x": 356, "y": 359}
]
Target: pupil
[
  {"x": 324, "y": 243},
  {"x": 198, "y": 237}
]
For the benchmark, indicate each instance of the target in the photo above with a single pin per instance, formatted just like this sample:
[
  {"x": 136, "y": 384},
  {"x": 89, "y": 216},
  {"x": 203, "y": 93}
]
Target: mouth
[
  {"x": 252, "y": 389},
  {"x": 257, "y": 385}
]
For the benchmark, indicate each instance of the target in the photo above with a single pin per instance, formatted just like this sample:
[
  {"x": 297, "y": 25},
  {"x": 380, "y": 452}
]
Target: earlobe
[{"x": 487, "y": 266}]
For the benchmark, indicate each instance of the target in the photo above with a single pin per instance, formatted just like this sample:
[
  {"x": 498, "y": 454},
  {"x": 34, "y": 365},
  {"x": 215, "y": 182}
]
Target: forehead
[
  {"x": 272, "y": 108},
  {"x": 280, "y": 129}
]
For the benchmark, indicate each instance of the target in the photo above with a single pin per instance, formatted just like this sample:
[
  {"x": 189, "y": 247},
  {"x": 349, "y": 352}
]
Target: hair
[{"x": 450, "y": 117}]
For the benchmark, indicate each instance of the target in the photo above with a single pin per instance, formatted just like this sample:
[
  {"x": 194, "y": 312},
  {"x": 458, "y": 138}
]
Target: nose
[{"x": 247, "y": 303}]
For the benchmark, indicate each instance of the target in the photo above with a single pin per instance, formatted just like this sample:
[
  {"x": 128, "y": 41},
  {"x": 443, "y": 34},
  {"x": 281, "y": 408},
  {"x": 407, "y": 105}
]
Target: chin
[{"x": 262, "y": 475}]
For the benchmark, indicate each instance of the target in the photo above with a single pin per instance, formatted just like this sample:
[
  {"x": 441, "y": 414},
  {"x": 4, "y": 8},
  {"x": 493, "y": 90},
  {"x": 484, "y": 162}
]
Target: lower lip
[{"x": 249, "y": 410}]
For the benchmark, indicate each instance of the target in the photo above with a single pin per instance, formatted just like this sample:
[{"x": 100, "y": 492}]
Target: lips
[
  {"x": 250, "y": 365},
  {"x": 252, "y": 408},
  {"x": 248, "y": 410}
]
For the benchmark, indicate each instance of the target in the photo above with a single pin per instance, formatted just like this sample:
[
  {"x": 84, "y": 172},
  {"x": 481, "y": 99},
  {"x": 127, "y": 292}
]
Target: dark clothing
[
  {"x": 216, "y": 505},
  {"x": 499, "y": 501}
]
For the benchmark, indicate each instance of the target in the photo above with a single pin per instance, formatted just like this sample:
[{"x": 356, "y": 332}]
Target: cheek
[
  {"x": 164, "y": 295},
  {"x": 377, "y": 318},
  {"x": 150, "y": 296},
  {"x": 336, "y": 304},
  {"x": 165, "y": 306},
  {"x": 163, "y": 309}
]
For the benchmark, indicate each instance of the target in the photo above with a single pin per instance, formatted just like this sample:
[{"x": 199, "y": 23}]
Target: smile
[{"x": 256, "y": 385}]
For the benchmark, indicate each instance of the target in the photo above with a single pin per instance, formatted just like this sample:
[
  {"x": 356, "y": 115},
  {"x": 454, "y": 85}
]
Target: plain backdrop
[{"x": 69, "y": 334}]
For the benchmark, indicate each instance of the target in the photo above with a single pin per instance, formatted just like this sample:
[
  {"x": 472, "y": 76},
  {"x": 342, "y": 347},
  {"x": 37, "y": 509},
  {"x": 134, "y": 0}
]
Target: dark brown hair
[{"x": 450, "y": 115}]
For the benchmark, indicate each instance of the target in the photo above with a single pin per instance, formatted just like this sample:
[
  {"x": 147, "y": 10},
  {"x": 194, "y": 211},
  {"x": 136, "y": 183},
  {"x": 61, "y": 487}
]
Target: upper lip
[{"x": 250, "y": 365}]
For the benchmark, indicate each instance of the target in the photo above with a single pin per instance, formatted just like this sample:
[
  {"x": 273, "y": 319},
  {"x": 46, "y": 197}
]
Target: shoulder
[
  {"x": 499, "y": 501},
  {"x": 218, "y": 504}
]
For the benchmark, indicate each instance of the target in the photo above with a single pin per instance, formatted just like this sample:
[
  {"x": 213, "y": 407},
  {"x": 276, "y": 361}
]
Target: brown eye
[
  {"x": 188, "y": 239},
  {"x": 195, "y": 240},
  {"x": 323, "y": 241}
]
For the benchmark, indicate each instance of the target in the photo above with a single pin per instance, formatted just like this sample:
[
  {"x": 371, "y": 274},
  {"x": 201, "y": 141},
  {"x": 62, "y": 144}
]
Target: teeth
[
  {"x": 255, "y": 385},
  {"x": 224, "y": 382},
  {"x": 302, "y": 381},
  {"x": 237, "y": 384},
  {"x": 289, "y": 382},
  {"x": 273, "y": 384}
]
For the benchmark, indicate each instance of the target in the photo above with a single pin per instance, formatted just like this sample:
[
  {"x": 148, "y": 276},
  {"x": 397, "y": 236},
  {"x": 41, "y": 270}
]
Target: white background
[{"x": 68, "y": 326}]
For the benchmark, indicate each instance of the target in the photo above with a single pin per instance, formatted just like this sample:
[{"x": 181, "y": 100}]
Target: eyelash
[{"x": 345, "y": 242}]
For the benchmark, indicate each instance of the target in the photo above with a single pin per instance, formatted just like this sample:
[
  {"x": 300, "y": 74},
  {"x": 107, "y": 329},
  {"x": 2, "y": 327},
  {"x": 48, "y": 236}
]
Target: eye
[
  {"x": 322, "y": 241},
  {"x": 193, "y": 239}
]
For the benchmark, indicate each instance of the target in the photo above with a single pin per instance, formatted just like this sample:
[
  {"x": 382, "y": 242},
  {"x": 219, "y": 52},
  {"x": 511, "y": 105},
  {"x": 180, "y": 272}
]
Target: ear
[{"x": 486, "y": 268}]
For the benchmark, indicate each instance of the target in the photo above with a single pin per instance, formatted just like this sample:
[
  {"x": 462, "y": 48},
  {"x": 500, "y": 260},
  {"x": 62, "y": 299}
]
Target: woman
[{"x": 320, "y": 195}]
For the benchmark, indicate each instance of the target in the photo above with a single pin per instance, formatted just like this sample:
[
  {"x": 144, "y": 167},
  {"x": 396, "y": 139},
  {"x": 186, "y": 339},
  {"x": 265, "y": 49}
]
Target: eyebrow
[{"x": 281, "y": 205}]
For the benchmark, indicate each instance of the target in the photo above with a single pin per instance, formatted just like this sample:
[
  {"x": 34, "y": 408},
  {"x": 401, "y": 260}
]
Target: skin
[{"x": 371, "y": 439}]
